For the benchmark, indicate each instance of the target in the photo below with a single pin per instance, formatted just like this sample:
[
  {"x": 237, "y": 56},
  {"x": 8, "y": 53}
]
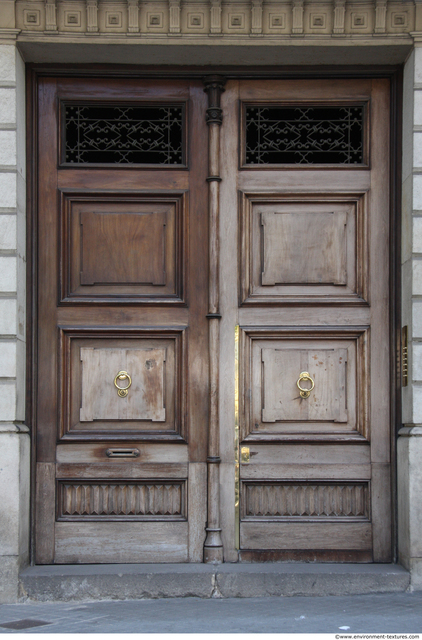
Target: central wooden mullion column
[{"x": 213, "y": 547}]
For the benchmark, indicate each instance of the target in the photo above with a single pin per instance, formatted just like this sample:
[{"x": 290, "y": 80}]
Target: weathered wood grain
[
  {"x": 117, "y": 468},
  {"x": 197, "y": 500},
  {"x": 97, "y": 453},
  {"x": 306, "y": 536},
  {"x": 304, "y": 470},
  {"x": 145, "y": 395},
  {"x": 44, "y": 523},
  {"x": 114, "y": 542}
]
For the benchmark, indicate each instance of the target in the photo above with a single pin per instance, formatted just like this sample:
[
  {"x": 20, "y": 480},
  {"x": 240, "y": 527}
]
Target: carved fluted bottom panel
[
  {"x": 305, "y": 500},
  {"x": 121, "y": 501}
]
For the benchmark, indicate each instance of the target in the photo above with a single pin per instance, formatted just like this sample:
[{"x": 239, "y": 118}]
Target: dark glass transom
[
  {"x": 109, "y": 134},
  {"x": 304, "y": 135}
]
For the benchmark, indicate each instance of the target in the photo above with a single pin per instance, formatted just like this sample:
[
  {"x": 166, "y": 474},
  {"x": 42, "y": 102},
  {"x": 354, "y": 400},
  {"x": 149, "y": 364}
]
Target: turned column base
[{"x": 213, "y": 547}]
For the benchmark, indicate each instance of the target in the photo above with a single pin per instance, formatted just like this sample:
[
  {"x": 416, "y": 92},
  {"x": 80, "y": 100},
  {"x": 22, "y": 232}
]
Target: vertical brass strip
[
  {"x": 236, "y": 436},
  {"x": 404, "y": 359}
]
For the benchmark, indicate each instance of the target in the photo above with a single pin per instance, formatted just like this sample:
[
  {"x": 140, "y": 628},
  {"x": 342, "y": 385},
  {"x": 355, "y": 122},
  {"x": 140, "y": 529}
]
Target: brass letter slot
[{"x": 122, "y": 453}]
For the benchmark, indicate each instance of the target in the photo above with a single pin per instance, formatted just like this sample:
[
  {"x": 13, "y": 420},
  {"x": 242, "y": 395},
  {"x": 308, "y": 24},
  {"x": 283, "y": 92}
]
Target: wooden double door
[{"x": 125, "y": 360}]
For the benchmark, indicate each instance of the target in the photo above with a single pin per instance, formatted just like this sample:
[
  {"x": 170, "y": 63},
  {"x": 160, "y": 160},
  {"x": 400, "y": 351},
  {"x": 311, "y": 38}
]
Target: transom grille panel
[
  {"x": 111, "y": 134},
  {"x": 304, "y": 134}
]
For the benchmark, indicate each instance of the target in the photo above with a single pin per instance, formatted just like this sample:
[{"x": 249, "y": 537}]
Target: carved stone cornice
[
  {"x": 380, "y": 16},
  {"x": 270, "y": 19},
  {"x": 133, "y": 16},
  {"x": 215, "y": 10},
  {"x": 339, "y": 15},
  {"x": 50, "y": 15},
  {"x": 92, "y": 15},
  {"x": 174, "y": 15},
  {"x": 297, "y": 11},
  {"x": 256, "y": 25}
]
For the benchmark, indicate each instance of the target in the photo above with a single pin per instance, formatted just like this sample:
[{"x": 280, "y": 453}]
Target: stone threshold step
[{"x": 134, "y": 581}]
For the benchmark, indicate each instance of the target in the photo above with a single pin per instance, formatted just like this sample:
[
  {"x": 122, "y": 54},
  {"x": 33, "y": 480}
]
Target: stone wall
[
  {"x": 14, "y": 437},
  {"x": 409, "y": 447}
]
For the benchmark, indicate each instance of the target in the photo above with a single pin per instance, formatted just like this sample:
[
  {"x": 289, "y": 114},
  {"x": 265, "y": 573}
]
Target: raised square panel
[
  {"x": 113, "y": 19},
  {"x": 155, "y": 20},
  {"x": 152, "y": 376},
  {"x": 399, "y": 20},
  {"x": 72, "y": 18},
  {"x": 122, "y": 249},
  {"x": 236, "y": 21},
  {"x": 335, "y": 363},
  {"x": 328, "y": 370},
  {"x": 317, "y": 21},
  {"x": 303, "y": 250},
  {"x": 195, "y": 20},
  {"x": 359, "y": 20},
  {"x": 117, "y": 236},
  {"x": 277, "y": 20},
  {"x": 144, "y": 399},
  {"x": 31, "y": 18}
]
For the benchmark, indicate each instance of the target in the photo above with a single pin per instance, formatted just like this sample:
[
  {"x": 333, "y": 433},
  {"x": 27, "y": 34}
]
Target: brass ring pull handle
[
  {"x": 305, "y": 393},
  {"x": 122, "y": 391}
]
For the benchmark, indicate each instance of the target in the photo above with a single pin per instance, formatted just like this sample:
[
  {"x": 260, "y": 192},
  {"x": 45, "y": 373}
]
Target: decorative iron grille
[
  {"x": 304, "y": 135},
  {"x": 151, "y": 135}
]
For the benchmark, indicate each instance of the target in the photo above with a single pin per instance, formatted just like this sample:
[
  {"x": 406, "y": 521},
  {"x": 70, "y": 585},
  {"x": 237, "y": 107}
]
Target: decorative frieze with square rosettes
[
  {"x": 212, "y": 17},
  {"x": 31, "y": 18}
]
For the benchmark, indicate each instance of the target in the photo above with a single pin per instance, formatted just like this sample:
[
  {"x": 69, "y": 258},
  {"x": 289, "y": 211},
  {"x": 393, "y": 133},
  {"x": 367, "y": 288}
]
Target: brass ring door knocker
[
  {"x": 122, "y": 391},
  {"x": 305, "y": 393}
]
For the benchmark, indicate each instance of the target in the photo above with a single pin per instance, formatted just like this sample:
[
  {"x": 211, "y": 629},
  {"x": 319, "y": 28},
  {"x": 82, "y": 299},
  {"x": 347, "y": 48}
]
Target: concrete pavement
[{"x": 370, "y": 613}]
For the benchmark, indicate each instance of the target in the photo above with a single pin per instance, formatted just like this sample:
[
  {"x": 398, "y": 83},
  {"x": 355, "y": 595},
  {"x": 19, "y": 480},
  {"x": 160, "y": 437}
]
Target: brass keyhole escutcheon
[
  {"x": 122, "y": 391},
  {"x": 305, "y": 393}
]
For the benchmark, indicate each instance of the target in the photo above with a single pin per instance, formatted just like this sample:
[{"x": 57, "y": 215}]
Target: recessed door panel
[
  {"x": 304, "y": 382},
  {"x": 303, "y": 249},
  {"x": 103, "y": 501},
  {"x": 325, "y": 369},
  {"x": 290, "y": 501},
  {"x": 141, "y": 391},
  {"x": 115, "y": 386},
  {"x": 122, "y": 237},
  {"x": 121, "y": 248}
]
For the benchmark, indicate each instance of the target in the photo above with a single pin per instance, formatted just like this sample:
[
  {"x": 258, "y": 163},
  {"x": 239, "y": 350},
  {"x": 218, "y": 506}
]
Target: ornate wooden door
[
  {"x": 139, "y": 291},
  {"x": 306, "y": 197},
  {"x": 122, "y": 383}
]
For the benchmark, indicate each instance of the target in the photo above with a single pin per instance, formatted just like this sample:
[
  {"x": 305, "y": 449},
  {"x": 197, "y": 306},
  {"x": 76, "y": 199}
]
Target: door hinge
[{"x": 404, "y": 357}]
